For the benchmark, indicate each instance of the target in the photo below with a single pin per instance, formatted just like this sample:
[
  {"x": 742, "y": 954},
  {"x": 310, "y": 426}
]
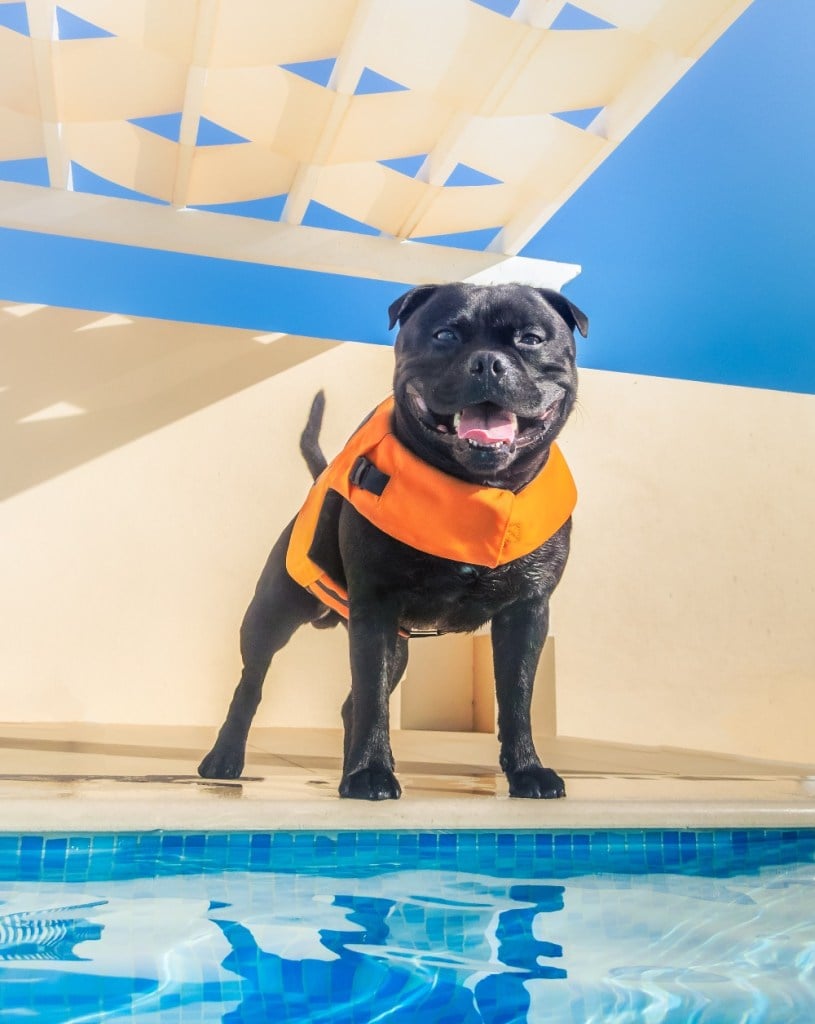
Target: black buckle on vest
[{"x": 364, "y": 474}]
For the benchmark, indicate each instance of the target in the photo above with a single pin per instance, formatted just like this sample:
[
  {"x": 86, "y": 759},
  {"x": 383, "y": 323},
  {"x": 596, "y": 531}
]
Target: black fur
[{"x": 459, "y": 345}]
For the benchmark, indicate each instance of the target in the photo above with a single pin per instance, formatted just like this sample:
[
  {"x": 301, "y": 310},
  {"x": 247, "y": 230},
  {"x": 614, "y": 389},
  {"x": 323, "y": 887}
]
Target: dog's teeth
[
  {"x": 485, "y": 447},
  {"x": 442, "y": 429},
  {"x": 456, "y": 421}
]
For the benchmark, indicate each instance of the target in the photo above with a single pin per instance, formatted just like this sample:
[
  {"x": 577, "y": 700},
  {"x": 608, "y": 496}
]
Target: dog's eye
[
  {"x": 530, "y": 339},
  {"x": 445, "y": 335}
]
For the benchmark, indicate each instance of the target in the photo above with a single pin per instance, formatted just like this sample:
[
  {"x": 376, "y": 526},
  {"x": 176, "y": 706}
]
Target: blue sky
[{"x": 696, "y": 237}]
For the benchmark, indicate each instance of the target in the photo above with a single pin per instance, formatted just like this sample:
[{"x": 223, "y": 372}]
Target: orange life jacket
[{"x": 425, "y": 508}]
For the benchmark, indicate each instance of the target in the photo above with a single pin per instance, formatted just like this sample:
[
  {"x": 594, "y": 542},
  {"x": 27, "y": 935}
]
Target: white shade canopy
[{"x": 524, "y": 109}]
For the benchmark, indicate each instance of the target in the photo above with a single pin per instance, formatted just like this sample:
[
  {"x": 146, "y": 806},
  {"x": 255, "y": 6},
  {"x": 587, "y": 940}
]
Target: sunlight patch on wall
[
  {"x": 268, "y": 339},
  {"x": 114, "y": 320},
  {"x": 21, "y": 309},
  {"x": 58, "y": 411}
]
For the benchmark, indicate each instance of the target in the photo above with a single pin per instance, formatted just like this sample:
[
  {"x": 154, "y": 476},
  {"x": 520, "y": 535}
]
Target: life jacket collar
[{"x": 425, "y": 508}]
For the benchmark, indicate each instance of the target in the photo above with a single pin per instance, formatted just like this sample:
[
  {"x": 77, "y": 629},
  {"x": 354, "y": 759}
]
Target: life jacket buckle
[{"x": 365, "y": 475}]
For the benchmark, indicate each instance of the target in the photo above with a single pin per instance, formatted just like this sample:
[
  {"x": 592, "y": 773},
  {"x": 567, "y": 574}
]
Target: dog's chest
[
  {"x": 433, "y": 593},
  {"x": 456, "y": 598}
]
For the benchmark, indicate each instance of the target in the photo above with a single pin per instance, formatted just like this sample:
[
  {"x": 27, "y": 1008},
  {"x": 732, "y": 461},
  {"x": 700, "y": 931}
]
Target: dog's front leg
[
  {"x": 518, "y": 634},
  {"x": 374, "y": 643}
]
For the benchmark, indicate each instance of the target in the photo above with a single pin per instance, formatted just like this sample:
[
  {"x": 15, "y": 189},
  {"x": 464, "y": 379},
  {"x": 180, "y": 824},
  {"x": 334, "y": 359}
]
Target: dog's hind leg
[{"x": 280, "y": 606}]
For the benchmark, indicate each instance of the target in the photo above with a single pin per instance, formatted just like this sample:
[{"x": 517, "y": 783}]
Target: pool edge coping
[{"x": 492, "y": 813}]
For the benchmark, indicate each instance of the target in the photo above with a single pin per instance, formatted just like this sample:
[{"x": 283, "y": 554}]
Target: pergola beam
[
  {"x": 42, "y": 25},
  {"x": 634, "y": 101},
  {"x": 343, "y": 81},
  {"x": 467, "y": 86},
  {"x": 221, "y": 236},
  {"x": 442, "y": 160},
  {"x": 205, "y": 23}
]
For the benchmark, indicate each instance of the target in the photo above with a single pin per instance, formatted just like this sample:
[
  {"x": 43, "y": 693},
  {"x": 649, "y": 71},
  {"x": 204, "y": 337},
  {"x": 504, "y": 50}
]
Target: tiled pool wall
[{"x": 85, "y": 856}]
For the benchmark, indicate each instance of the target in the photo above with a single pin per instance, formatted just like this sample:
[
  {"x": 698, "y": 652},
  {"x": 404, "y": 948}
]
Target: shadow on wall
[{"x": 76, "y": 384}]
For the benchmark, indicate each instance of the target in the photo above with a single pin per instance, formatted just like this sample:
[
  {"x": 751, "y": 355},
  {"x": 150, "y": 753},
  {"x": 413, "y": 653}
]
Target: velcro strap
[{"x": 364, "y": 474}]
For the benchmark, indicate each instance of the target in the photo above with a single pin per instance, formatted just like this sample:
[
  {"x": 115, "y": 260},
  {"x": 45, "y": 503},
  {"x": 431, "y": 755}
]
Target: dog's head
[{"x": 485, "y": 376}]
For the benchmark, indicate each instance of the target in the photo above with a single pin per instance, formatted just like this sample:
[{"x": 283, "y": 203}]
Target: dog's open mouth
[{"x": 487, "y": 425}]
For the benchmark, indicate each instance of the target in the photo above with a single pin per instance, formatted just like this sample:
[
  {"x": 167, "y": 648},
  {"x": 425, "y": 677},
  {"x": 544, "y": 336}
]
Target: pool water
[{"x": 584, "y": 927}]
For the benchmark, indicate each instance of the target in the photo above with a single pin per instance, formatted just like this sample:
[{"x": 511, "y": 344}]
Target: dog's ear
[
  {"x": 573, "y": 316},
  {"x": 406, "y": 304}
]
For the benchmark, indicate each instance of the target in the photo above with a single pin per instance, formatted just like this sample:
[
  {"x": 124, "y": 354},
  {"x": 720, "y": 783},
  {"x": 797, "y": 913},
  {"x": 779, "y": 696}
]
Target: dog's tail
[
  {"x": 310, "y": 438},
  {"x": 316, "y": 462}
]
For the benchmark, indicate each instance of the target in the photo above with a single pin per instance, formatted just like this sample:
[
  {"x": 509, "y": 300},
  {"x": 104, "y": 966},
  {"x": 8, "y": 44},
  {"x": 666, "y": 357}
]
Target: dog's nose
[{"x": 488, "y": 364}]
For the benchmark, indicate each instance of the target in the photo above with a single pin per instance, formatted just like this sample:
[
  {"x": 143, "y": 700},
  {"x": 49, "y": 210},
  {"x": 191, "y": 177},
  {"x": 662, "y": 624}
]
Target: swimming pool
[{"x": 607, "y": 927}]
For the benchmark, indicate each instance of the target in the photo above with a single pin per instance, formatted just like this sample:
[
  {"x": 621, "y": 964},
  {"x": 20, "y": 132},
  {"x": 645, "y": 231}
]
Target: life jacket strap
[{"x": 337, "y": 599}]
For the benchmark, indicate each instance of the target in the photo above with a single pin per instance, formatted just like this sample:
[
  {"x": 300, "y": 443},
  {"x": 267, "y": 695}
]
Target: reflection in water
[
  {"x": 364, "y": 981},
  {"x": 398, "y": 944},
  {"x": 46, "y": 935}
]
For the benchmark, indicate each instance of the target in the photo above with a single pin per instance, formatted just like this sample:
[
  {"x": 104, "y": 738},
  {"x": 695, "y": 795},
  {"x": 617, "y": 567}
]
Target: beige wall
[
  {"x": 686, "y": 613},
  {"x": 127, "y": 573},
  {"x": 132, "y": 534}
]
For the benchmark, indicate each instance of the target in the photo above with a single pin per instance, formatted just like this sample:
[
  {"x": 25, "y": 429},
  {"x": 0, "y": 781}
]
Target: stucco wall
[{"x": 685, "y": 616}]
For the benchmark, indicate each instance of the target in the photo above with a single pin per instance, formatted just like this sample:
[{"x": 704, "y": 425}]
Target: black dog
[{"x": 484, "y": 380}]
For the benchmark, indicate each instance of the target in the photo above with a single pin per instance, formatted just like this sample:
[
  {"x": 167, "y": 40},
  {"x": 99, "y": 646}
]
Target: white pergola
[{"x": 461, "y": 87}]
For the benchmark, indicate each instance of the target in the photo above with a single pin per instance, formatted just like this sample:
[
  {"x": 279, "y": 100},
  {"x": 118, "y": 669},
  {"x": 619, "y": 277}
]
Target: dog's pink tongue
[{"x": 486, "y": 425}]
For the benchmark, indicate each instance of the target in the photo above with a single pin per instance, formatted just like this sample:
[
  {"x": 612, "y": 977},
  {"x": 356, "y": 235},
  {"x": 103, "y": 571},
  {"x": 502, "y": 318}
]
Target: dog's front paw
[
  {"x": 219, "y": 764},
  {"x": 536, "y": 783},
  {"x": 371, "y": 784}
]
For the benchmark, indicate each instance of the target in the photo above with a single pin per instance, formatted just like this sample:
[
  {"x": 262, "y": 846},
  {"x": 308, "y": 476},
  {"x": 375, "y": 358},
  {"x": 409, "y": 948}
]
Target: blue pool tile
[
  {"x": 103, "y": 845},
  {"x": 531, "y": 854},
  {"x": 408, "y": 843},
  {"x": 147, "y": 844},
  {"x": 217, "y": 842},
  {"x": 524, "y": 842},
  {"x": 517, "y": 882},
  {"x": 467, "y": 840},
  {"x": 9, "y": 854},
  {"x": 388, "y": 850},
  {"x": 563, "y": 843},
  {"x": 581, "y": 848},
  {"x": 428, "y": 841},
  {"x": 303, "y": 842}
]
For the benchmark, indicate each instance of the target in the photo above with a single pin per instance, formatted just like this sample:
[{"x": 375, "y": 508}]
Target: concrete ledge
[{"x": 85, "y": 778}]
